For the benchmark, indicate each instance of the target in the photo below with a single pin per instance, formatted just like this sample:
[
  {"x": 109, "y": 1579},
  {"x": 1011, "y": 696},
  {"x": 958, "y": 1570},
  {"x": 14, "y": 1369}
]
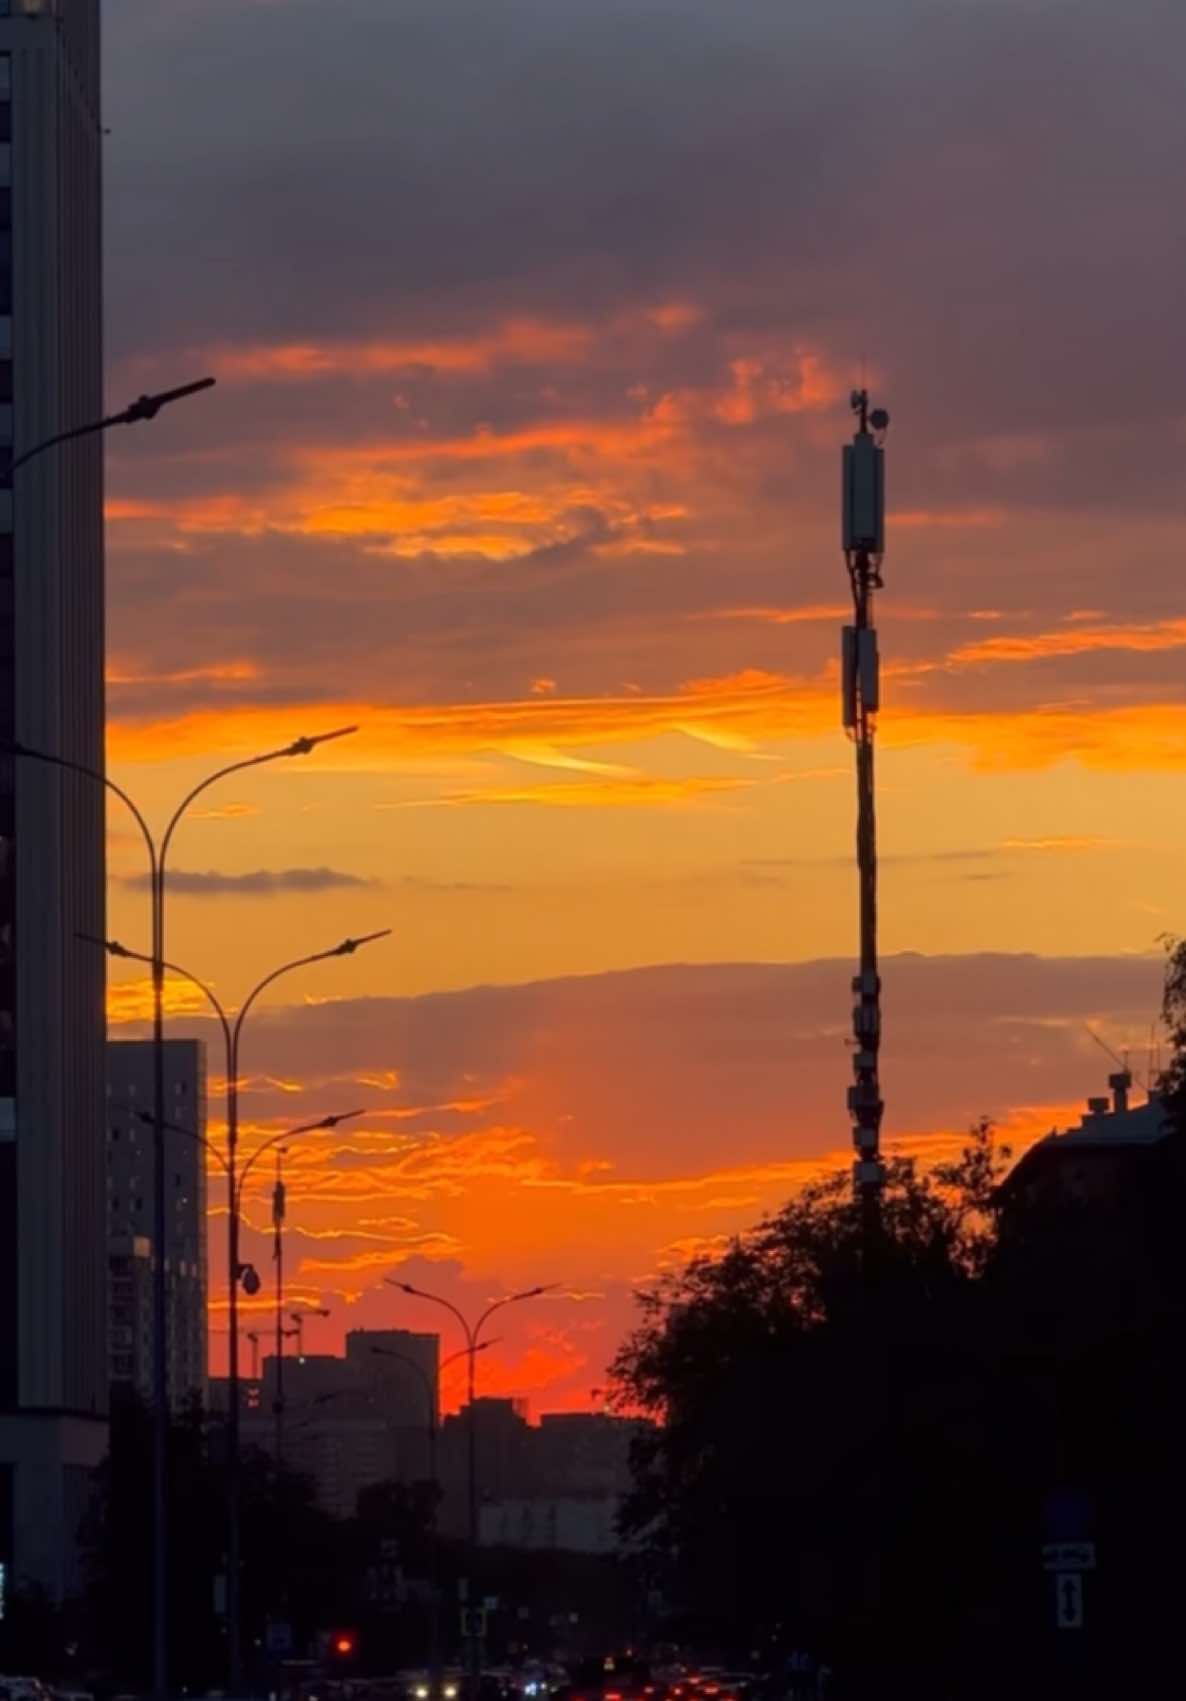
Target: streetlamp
[
  {"x": 232, "y": 1033},
  {"x": 431, "y": 1430},
  {"x": 298, "y": 1320},
  {"x": 144, "y": 408},
  {"x": 238, "y": 1274},
  {"x": 473, "y": 1345},
  {"x": 157, "y": 861}
]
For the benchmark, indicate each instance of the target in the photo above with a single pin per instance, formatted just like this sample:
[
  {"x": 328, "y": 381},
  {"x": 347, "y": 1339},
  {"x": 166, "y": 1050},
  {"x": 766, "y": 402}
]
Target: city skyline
[{"x": 537, "y": 482}]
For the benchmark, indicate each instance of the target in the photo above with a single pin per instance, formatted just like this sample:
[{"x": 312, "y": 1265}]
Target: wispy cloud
[
  {"x": 1081, "y": 640},
  {"x": 260, "y": 883}
]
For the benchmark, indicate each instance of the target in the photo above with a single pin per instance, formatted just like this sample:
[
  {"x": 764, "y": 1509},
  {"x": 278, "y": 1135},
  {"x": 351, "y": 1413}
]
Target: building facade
[
  {"x": 130, "y": 1168},
  {"x": 400, "y": 1367},
  {"x": 53, "y": 1254},
  {"x": 130, "y": 1314}
]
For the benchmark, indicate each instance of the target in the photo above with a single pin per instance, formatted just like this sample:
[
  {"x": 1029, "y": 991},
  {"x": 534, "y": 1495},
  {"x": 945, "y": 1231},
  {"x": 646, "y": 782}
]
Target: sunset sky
[{"x": 534, "y": 323}]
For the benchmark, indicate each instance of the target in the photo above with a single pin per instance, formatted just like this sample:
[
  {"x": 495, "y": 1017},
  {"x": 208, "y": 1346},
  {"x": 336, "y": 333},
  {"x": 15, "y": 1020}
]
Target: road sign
[
  {"x": 1068, "y": 1600},
  {"x": 473, "y": 1623},
  {"x": 278, "y": 1636},
  {"x": 1068, "y": 1556}
]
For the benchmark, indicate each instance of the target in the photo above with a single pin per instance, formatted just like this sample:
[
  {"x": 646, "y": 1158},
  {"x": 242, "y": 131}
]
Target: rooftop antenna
[
  {"x": 863, "y": 531},
  {"x": 1114, "y": 1055}
]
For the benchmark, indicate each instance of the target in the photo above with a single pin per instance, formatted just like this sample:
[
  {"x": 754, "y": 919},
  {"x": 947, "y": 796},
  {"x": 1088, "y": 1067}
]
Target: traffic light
[{"x": 343, "y": 1646}]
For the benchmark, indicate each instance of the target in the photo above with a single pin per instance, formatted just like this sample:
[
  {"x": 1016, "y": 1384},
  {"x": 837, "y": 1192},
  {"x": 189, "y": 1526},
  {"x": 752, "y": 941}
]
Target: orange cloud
[
  {"x": 1064, "y": 844},
  {"x": 959, "y": 518},
  {"x": 1083, "y": 640},
  {"x": 758, "y": 388},
  {"x": 513, "y": 342},
  {"x": 752, "y": 706},
  {"x": 234, "y": 672},
  {"x": 809, "y": 613},
  {"x": 131, "y": 1000},
  {"x": 634, "y": 793},
  {"x": 523, "y": 342}
]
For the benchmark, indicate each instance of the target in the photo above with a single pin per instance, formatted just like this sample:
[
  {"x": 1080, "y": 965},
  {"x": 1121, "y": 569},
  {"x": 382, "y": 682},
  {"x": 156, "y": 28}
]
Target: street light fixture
[
  {"x": 238, "y": 1273},
  {"x": 473, "y": 1345},
  {"x": 143, "y": 408},
  {"x": 298, "y": 1329},
  {"x": 432, "y": 1431},
  {"x": 157, "y": 863}
]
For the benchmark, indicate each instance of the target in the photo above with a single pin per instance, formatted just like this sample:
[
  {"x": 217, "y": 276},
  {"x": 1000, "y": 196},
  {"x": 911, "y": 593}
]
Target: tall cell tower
[{"x": 864, "y": 544}]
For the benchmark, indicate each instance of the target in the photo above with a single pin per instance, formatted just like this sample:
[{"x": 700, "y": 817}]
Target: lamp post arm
[
  {"x": 419, "y": 1293},
  {"x": 262, "y": 986},
  {"x": 18, "y": 749},
  {"x": 144, "y": 407},
  {"x": 425, "y": 1383},
  {"x": 204, "y": 785},
  {"x": 291, "y": 1134},
  {"x": 115, "y": 949},
  {"x": 149, "y": 1120},
  {"x": 346, "y": 948},
  {"x": 298, "y": 747},
  {"x": 507, "y": 1299}
]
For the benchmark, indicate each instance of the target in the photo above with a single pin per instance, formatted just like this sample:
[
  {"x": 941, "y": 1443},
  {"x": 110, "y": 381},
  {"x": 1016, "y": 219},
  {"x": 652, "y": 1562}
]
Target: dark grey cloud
[
  {"x": 664, "y": 1070},
  {"x": 260, "y": 883},
  {"x": 973, "y": 192}
]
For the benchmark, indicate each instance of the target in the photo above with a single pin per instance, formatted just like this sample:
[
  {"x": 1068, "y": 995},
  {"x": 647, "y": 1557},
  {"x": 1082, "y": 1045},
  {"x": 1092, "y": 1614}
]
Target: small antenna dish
[{"x": 879, "y": 419}]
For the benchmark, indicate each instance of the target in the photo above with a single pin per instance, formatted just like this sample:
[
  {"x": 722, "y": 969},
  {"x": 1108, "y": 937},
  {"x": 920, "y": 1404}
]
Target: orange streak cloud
[
  {"x": 753, "y": 706},
  {"x": 515, "y": 341},
  {"x": 1082, "y": 640},
  {"x": 131, "y": 1000},
  {"x": 528, "y": 342},
  {"x": 640, "y": 792}
]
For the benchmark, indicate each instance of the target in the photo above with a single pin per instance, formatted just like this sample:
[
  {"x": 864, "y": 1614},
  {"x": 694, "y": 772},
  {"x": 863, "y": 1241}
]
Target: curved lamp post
[
  {"x": 473, "y": 1346},
  {"x": 157, "y": 863},
  {"x": 237, "y": 1272},
  {"x": 431, "y": 1432},
  {"x": 142, "y": 409}
]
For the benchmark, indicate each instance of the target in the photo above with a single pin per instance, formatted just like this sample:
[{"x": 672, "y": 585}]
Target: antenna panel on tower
[{"x": 864, "y": 496}]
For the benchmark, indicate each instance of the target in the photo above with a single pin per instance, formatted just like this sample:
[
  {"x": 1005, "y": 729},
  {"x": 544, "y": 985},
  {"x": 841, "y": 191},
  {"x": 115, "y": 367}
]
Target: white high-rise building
[{"x": 53, "y": 1252}]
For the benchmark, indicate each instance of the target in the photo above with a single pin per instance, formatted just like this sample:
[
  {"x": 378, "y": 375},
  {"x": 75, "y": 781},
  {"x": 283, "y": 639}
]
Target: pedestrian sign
[
  {"x": 1068, "y": 1556},
  {"x": 1068, "y": 1600}
]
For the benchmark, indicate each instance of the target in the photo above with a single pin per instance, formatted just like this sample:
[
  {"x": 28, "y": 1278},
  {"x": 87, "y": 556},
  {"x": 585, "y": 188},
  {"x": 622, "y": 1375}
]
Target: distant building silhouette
[
  {"x": 130, "y": 1216},
  {"x": 1113, "y": 1143},
  {"x": 349, "y": 1422},
  {"x": 353, "y": 1422},
  {"x": 53, "y": 1242}
]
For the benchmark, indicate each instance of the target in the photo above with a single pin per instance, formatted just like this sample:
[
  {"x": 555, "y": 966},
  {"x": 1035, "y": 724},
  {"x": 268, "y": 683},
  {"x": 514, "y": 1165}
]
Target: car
[{"x": 23, "y": 1689}]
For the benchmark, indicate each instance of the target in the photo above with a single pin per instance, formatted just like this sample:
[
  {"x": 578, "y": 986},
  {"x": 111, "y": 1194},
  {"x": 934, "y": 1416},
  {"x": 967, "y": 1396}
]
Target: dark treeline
[{"x": 865, "y": 1449}]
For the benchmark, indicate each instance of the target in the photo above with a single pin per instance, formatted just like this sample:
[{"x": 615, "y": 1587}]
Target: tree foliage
[
  {"x": 1173, "y": 1015},
  {"x": 858, "y": 1436}
]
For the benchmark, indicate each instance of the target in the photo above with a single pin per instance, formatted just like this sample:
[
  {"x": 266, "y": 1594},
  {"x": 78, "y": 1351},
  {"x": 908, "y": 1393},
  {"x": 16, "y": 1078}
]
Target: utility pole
[
  {"x": 278, "y": 1212},
  {"x": 863, "y": 525}
]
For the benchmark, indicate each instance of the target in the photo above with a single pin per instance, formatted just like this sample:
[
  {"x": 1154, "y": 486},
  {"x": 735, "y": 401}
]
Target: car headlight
[
  {"x": 422, "y": 1693},
  {"x": 450, "y": 1692}
]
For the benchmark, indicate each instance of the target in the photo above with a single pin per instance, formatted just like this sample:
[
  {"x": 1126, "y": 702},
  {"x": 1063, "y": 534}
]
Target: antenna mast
[{"x": 863, "y": 524}]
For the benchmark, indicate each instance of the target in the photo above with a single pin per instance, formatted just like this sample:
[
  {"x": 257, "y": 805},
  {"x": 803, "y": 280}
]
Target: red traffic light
[{"x": 343, "y": 1644}]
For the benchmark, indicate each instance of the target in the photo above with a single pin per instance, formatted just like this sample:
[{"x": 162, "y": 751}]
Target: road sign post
[{"x": 1068, "y": 1600}]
